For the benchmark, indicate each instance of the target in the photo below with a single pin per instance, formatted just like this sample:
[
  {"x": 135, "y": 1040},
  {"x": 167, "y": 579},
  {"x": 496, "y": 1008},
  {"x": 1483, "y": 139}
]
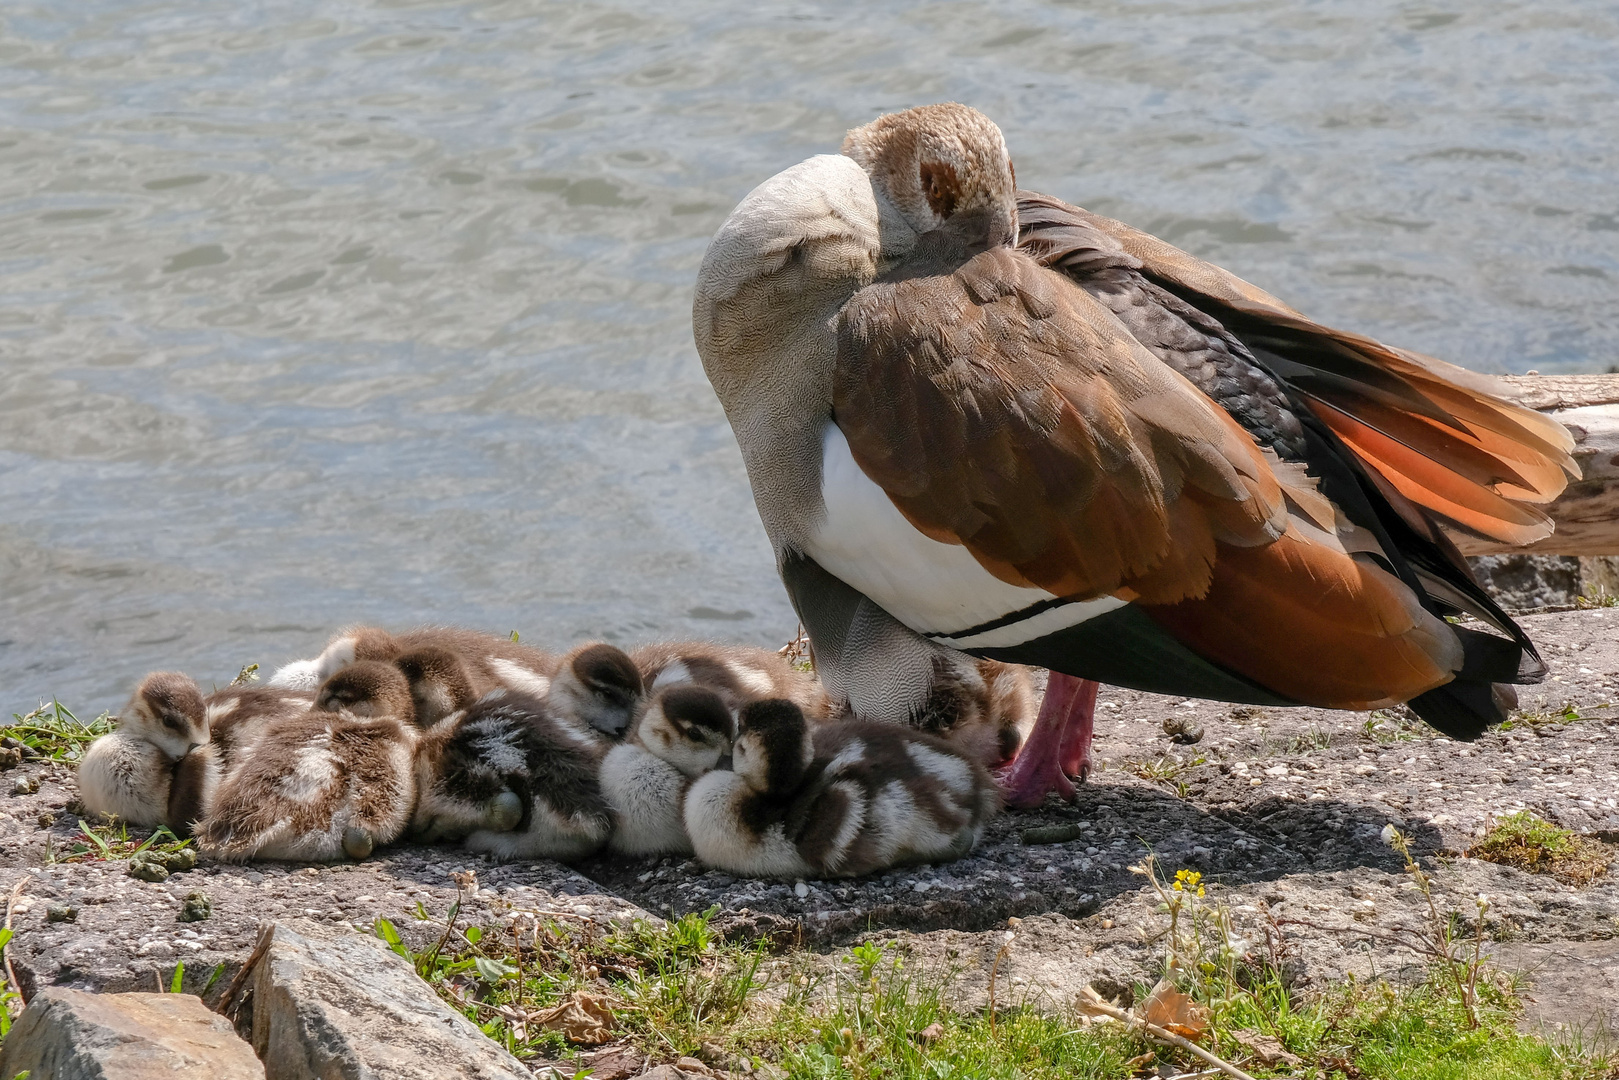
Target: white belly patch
[{"x": 936, "y": 589}]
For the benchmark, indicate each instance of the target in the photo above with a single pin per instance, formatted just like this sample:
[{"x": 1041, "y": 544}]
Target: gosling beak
[
  {"x": 724, "y": 763},
  {"x": 193, "y": 746}
]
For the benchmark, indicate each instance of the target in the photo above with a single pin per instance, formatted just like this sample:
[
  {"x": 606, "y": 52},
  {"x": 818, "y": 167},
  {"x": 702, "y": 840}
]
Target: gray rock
[
  {"x": 1573, "y": 985},
  {"x": 330, "y": 1002},
  {"x": 67, "y": 1034}
]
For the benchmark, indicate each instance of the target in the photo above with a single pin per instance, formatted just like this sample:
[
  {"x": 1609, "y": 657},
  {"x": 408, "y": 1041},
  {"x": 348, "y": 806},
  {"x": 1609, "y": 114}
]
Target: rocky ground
[{"x": 1282, "y": 810}]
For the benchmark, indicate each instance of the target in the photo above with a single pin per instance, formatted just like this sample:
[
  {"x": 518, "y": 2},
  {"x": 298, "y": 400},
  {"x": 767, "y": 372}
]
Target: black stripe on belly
[
  {"x": 1126, "y": 648},
  {"x": 1005, "y": 620}
]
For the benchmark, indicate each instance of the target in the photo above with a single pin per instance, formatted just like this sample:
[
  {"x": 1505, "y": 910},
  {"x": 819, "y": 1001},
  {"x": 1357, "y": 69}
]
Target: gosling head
[
  {"x": 687, "y": 726},
  {"x": 939, "y": 168},
  {"x": 600, "y": 685},
  {"x": 167, "y": 711},
  {"x": 439, "y": 683},
  {"x": 369, "y": 689},
  {"x": 773, "y": 749}
]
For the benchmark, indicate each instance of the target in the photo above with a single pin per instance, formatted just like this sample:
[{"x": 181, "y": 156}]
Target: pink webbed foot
[{"x": 1058, "y": 750}]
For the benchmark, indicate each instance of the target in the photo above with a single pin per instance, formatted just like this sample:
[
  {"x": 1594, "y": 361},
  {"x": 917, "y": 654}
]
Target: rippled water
[{"x": 320, "y": 312}]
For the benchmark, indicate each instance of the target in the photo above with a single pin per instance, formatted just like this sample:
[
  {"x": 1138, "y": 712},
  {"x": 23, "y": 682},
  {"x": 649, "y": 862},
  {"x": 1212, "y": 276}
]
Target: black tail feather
[{"x": 1464, "y": 709}]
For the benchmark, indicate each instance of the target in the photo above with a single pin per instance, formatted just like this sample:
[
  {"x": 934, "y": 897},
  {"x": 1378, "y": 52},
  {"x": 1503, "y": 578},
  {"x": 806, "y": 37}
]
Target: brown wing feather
[
  {"x": 1447, "y": 418},
  {"x": 1317, "y": 625},
  {"x": 1002, "y": 408}
]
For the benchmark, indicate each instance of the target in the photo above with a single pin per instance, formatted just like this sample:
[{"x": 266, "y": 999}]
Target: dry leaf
[
  {"x": 930, "y": 1034},
  {"x": 1143, "y": 1065},
  {"x": 1266, "y": 1049},
  {"x": 1168, "y": 1008},
  {"x": 582, "y": 1018}
]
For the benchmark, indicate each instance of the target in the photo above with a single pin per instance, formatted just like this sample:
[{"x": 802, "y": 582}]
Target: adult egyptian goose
[{"x": 984, "y": 420}]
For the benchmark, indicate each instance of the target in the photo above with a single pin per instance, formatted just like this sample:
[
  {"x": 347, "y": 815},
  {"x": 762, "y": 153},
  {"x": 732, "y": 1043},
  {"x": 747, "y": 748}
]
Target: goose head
[
  {"x": 938, "y": 169},
  {"x": 369, "y": 690},
  {"x": 439, "y": 682}
]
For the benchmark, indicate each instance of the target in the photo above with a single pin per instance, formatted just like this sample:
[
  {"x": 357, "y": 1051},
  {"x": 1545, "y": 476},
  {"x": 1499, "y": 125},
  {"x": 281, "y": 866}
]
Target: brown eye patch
[{"x": 940, "y": 187}]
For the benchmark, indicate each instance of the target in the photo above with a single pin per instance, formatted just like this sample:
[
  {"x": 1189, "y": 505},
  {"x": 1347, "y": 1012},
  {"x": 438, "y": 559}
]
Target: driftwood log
[{"x": 1587, "y": 514}]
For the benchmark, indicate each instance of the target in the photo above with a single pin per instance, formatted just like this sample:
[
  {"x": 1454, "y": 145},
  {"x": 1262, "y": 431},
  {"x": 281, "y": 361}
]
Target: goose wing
[
  {"x": 1438, "y": 439},
  {"x": 1006, "y": 415}
]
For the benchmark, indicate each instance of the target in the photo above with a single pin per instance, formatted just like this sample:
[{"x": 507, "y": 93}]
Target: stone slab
[
  {"x": 330, "y": 1003},
  {"x": 70, "y": 1035}
]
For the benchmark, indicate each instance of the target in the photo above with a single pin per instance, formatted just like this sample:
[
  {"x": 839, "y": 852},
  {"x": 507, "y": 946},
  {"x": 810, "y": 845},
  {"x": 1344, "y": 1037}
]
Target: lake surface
[{"x": 326, "y": 312}]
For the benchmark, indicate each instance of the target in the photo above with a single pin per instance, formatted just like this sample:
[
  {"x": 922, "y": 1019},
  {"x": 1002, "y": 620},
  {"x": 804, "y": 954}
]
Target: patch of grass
[
  {"x": 1389, "y": 726},
  {"x": 678, "y": 988},
  {"x": 109, "y": 841},
  {"x": 52, "y": 731},
  {"x": 1532, "y": 843},
  {"x": 1566, "y": 713}
]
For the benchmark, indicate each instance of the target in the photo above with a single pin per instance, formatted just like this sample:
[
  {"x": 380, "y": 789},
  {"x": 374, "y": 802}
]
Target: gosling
[
  {"x": 513, "y": 780},
  {"x": 684, "y": 732},
  {"x": 737, "y": 673},
  {"x": 850, "y": 798},
  {"x": 449, "y": 667},
  {"x": 334, "y": 782}
]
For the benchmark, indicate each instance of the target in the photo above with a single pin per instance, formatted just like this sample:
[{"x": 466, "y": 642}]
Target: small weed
[
  {"x": 1531, "y": 843},
  {"x": 798, "y": 652},
  {"x": 109, "y": 840},
  {"x": 1165, "y": 769},
  {"x": 1566, "y": 713},
  {"x": 52, "y": 731},
  {"x": 1602, "y": 598},
  {"x": 1388, "y": 726}
]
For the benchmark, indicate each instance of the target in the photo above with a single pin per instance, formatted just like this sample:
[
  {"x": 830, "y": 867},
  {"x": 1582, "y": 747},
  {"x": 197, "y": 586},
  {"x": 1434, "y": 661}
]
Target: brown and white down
[
  {"x": 513, "y": 779},
  {"x": 984, "y": 708},
  {"x": 336, "y": 781},
  {"x": 737, "y": 673},
  {"x": 449, "y": 667},
  {"x": 683, "y": 732},
  {"x": 173, "y": 743},
  {"x": 843, "y": 799}
]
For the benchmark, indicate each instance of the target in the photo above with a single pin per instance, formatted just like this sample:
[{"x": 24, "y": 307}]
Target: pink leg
[
  {"x": 1075, "y": 756},
  {"x": 1059, "y": 745}
]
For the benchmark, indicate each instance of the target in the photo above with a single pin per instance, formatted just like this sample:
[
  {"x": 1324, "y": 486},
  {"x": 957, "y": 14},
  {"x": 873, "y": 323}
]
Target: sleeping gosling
[
  {"x": 512, "y": 779},
  {"x": 334, "y": 782},
  {"x": 684, "y": 732},
  {"x": 844, "y": 799},
  {"x": 486, "y": 662}
]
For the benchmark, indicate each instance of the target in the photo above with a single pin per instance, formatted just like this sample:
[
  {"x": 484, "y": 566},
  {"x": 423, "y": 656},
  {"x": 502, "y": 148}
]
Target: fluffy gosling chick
[
  {"x": 984, "y": 708},
  {"x": 851, "y": 798},
  {"x": 737, "y": 673},
  {"x": 598, "y": 688},
  {"x": 335, "y": 781},
  {"x": 683, "y": 732},
  {"x": 132, "y": 771},
  {"x": 512, "y": 779}
]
